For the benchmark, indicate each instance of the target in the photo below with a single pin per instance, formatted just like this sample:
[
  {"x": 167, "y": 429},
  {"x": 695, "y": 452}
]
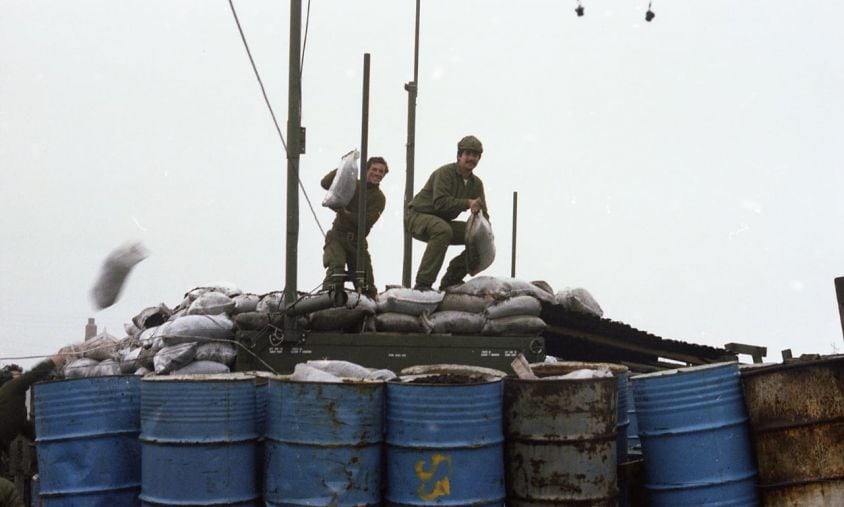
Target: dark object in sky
[
  {"x": 579, "y": 10},
  {"x": 649, "y": 16}
]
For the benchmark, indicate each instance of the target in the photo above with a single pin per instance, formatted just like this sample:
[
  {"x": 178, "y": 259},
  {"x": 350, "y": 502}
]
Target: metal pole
[
  {"x": 294, "y": 120},
  {"x": 412, "y": 91},
  {"x": 360, "y": 273},
  {"x": 839, "y": 293},
  {"x": 515, "y": 216}
]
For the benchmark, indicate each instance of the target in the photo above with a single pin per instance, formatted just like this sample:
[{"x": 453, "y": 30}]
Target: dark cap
[{"x": 470, "y": 143}]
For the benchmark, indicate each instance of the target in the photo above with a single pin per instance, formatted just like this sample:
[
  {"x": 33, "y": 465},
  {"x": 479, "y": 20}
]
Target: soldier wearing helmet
[{"x": 449, "y": 191}]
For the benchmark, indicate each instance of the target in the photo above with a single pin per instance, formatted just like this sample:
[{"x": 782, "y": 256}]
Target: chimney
[{"x": 90, "y": 329}]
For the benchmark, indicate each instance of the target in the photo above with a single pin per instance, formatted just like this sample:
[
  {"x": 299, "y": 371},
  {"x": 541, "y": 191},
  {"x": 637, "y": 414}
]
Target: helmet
[{"x": 470, "y": 143}]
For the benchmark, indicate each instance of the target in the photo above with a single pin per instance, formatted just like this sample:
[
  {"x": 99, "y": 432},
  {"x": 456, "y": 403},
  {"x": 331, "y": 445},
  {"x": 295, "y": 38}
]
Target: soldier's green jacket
[
  {"x": 9, "y": 495},
  {"x": 13, "y": 403},
  {"x": 446, "y": 192},
  {"x": 347, "y": 219}
]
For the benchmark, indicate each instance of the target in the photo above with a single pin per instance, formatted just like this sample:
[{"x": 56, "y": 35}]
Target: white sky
[{"x": 687, "y": 172}]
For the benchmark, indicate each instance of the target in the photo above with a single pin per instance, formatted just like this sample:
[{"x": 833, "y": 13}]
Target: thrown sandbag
[
  {"x": 453, "y": 322},
  {"x": 218, "y": 352},
  {"x": 211, "y": 303},
  {"x": 174, "y": 357},
  {"x": 409, "y": 301},
  {"x": 513, "y": 307},
  {"x": 337, "y": 368},
  {"x": 152, "y": 317},
  {"x": 202, "y": 368},
  {"x": 514, "y": 326},
  {"x": 79, "y": 368},
  {"x": 464, "y": 303},
  {"x": 114, "y": 271},
  {"x": 345, "y": 182},
  {"x": 246, "y": 303},
  {"x": 303, "y": 372},
  {"x": 196, "y": 328},
  {"x": 500, "y": 288},
  {"x": 480, "y": 244},
  {"x": 578, "y": 300},
  {"x": 398, "y": 323}
]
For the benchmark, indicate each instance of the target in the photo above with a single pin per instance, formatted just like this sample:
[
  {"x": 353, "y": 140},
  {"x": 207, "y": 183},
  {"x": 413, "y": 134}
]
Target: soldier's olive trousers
[
  {"x": 340, "y": 250},
  {"x": 438, "y": 234}
]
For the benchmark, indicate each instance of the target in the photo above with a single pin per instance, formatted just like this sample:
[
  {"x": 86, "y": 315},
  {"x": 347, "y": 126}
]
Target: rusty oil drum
[
  {"x": 796, "y": 415},
  {"x": 561, "y": 441}
]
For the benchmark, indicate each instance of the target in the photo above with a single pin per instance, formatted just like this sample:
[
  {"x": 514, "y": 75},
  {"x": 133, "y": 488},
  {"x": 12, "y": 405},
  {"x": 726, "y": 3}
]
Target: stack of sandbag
[
  {"x": 400, "y": 310},
  {"x": 495, "y": 306},
  {"x": 350, "y": 318},
  {"x": 95, "y": 357}
]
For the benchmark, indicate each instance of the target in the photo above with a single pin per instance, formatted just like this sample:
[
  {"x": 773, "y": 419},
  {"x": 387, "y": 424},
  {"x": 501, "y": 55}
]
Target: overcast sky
[{"x": 687, "y": 172}]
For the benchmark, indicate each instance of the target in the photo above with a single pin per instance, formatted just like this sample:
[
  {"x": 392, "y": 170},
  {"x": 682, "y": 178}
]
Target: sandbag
[
  {"x": 174, "y": 357},
  {"x": 211, "y": 303},
  {"x": 398, "y": 323},
  {"x": 202, "y": 368},
  {"x": 105, "y": 368},
  {"x": 196, "y": 328},
  {"x": 480, "y": 244},
  {"x": 514, "y": 326},
  {"x": 152, "y": 317},
  {"x": 271, "y": 302},
  {"x": 218, "y": 352},
  {"x": 409, "y": 301},
  {"x": 245, "y": 303},
  {"x": 345, "y": 182},
  {"x": 578, "y": 300},
  {"x": 464, "y": 303},
  {"x": 251, "y": 321},
  {"x": 513, "y": 307},
  {"x": 338, "y": 368},
  {"x": 338, "y": 319},
  {"x": 129, "y": 360},
  {"x": 383, "y": 374},
  {"x": 79, "y": 368},
  {"x": 303, "y": 372},
  {"x": 453, "y": 322},
  {"x": 98, "y": 348},
  {"x": 500, "y": 288},
  {"x": 113, "y": 273}
]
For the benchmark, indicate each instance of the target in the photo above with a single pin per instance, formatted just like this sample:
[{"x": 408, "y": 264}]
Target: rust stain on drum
[{"x": 796, "y": 413}]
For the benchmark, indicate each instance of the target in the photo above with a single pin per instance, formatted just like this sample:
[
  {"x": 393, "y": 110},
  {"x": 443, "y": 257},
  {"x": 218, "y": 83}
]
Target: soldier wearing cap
[
  {"x": 449, "y": 191},
  {"x": 341, "y": 240}
]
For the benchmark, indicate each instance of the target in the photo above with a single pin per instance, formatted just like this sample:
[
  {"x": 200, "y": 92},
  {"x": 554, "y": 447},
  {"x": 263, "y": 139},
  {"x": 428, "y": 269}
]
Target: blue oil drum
[
  {"x": 199, "y": 440},
  {"x": 445, "y": 444},
  {"x": 695, "y": 437},
  {"x": 623, "y": 415},
  {"x": 324, "y": 443},
  {"x": 633, "y": 443},
  {"x": 88, "y": 449}
]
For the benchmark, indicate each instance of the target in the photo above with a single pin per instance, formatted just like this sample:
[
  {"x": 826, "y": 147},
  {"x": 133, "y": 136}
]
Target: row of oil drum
[{"x": 245, "y": 440}]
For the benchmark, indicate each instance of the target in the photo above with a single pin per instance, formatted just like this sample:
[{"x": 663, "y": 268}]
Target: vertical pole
[
  {"x": 294, "y": 120},
  {"x": 515, "y": 216},
  {"x": 839, "y": 293},
  {"x": 412, "y": 91},
  {"x": 360, "y": 273}
]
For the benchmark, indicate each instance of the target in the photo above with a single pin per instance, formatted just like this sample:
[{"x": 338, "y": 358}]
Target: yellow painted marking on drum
[{"x": 441, "y": 487}]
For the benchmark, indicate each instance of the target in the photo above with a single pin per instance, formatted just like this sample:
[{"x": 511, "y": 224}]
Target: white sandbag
[
  {"x": 384, "y": 375},
  {"x": 246, "y": 303},
  {"x": 148, "y": 336},
  {"x": 218, "y": 352},
  {"x": 337, "y": 368},
  {"x": 105, "y": 368},
  {"x": 345, "y": 182},
  {"x": 99, "y": 348},
  {"x": 514, "y": 307},
  {"x": 114, "y": 271},
  {"x": 500, "y": 288},
  {"x": 358, "y": 301},
  {"x": 79, "y": 368},
  {"x": 142, "y": 371},
  {"x": 196, "y": 328},
  {"x": 409, "y": 301},
  {"x": 174, "y": 357},
  {"x": 453, "y": 322},
  {"x": 202, "y": 368},
  {"x": 583, "y": 373},
  {"x": 303, "y": 372},
  {"x": 514, "y": 326},
  {"x": 480, "y": 244},
  {"x": 129, "y": 359},
  {"x": 131, "y": 329},
  {"x": 398, "y": 323},
  {"x": 271, "y": 302},
  {"x": 464, "y": 303},
  {"x": 211, "y": 303},
  {"x": 578, "y": 300}
]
